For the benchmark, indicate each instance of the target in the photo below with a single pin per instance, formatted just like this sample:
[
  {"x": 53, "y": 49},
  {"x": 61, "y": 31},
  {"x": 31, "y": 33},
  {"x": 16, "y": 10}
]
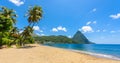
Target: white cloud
[
  {"x": 59, "y": 28},
  {"x": 93, "y": 10},
  {"x": 87, "y": 29},
  {"x": 54, "y": 30},
  {"x": 117, "y": 16},
  {"x": 40, "y": 34},
  {"x": 36, "y": 28},
  {"x": 112, "y": 31},
  {"x": 89, "y": 22},
  {"x": 17, "y": 2},
  {"x": 62, "y": 28}
]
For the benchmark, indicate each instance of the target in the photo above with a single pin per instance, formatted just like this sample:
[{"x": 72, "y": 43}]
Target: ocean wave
[{"x": 97, "y": 54}]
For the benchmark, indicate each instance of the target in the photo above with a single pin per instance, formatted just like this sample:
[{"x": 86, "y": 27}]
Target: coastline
[
  {"x": 98, "y": 55},
  {"x": 47, "y": 54}
]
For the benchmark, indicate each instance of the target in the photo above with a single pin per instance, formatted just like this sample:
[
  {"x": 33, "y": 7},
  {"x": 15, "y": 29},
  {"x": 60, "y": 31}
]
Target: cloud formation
[
  {"x": 36, "y": 28},
  {"x": 116, "y": 16},
  {"x": 17, "y": 2},
  {"x": 87, "y": 29},
  {"x": 54, "y": 30},
  {"x": 59, "y": 28},
  {"x": 40, "y": 34},
  {"x": 90, "y": 22}
]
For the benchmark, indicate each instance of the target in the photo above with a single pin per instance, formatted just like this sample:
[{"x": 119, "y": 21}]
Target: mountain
[{"x": 80, "y": 38}]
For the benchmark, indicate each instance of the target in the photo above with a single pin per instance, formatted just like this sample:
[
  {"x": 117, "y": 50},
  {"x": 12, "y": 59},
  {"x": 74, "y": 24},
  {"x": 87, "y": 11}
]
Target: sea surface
[{"x": 111, "y": 51}]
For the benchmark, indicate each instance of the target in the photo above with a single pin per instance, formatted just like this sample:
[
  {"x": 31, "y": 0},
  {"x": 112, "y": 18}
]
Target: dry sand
[{"x": 45, "y": 54}]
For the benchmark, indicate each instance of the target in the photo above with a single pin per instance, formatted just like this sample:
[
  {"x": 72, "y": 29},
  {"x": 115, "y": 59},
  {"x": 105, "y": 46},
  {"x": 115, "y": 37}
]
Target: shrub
[{"x": 7, "y": 42}]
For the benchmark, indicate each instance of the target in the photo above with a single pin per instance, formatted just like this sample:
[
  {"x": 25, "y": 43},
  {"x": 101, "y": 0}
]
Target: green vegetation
[
  {"x": 53, "y": 39},
  {"x": 78, "y": 38},
  {"x": 9, "y": 34},
  {"x": 7, "y": 20}
]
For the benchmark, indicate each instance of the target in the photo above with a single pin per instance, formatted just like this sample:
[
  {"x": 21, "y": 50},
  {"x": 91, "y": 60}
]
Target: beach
[{"x": 45, "y": 54}]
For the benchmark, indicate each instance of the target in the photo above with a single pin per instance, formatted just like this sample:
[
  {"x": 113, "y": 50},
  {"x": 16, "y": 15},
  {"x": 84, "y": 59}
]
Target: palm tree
[
  {"x": 7, "y": 19},
  {"x": 26, "y": 33},
  {"x": 34, "y": 15},
  {"x": 9, "y": 13},
  {"x": 14, "y": 33}
]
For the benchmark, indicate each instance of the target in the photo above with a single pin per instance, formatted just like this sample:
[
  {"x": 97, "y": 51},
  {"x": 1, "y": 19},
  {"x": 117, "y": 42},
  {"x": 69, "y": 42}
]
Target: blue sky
[{"x": 99, "y": 20}]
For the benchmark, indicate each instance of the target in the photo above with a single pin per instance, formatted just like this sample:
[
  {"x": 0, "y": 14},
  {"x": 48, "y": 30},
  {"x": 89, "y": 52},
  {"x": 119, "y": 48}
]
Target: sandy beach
[{"x": 45, "y": 54}]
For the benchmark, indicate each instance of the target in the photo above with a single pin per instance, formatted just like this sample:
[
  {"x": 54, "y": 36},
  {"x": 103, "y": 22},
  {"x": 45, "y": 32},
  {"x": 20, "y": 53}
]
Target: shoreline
[
  {"x": 47, "y": 54},
  {"x": 97, "y": 55}
]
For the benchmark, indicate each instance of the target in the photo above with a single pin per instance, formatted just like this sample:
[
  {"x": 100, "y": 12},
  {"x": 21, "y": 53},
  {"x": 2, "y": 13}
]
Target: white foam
[{"x": 97, "y": 54}]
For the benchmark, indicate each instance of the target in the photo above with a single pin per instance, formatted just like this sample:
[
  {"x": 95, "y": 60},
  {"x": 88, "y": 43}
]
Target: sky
[{"x": 98, "y": 20}]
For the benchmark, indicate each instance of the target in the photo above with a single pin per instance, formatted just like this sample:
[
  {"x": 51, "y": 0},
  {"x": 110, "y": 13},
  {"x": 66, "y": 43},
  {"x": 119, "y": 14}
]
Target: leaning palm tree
[
  {"x": 26, "y": 33},
  {"x": 34, "y": 15}
]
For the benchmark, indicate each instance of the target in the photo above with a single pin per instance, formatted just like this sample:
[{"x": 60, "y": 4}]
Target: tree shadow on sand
[{"x": 27, "y": 47}]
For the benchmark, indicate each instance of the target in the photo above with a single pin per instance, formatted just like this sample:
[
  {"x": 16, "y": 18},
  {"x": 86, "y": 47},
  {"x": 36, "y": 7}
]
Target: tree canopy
[{"x": 9, "y": 34}]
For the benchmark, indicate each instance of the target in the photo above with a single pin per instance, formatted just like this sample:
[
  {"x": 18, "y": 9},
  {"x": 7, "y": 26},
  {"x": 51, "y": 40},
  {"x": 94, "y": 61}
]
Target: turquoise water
[{"x": 101, "y": 50}]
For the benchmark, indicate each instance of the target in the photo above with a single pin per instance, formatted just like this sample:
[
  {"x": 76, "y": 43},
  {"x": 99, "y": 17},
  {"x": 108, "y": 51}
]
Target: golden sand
[{"x": 45, "y": 54}]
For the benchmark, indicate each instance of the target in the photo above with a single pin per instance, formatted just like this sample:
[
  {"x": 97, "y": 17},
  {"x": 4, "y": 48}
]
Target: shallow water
[{"x": 102, "y": 50}]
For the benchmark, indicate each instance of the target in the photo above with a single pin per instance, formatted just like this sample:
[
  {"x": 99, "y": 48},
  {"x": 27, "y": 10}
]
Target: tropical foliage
[{"x": 9, "y": 34}]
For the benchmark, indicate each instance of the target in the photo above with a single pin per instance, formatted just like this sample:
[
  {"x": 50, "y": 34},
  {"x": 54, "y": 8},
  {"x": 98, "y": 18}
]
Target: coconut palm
[
  {"x": 26, "y": 33},
  {"x": 7, "y": 19},
  {"x": 14, "y": 32},
  {"x": 34, "y": 14},
  {"x": 9, "y": 13}
]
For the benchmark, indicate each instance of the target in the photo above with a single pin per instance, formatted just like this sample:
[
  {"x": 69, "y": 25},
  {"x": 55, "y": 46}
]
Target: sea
[{"x": 110, "y": 51}]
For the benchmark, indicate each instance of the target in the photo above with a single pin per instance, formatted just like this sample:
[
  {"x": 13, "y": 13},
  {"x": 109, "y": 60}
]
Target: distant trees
[
  {"x": 9, "y": 34},
  {"x": 53, "y": 39}
]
